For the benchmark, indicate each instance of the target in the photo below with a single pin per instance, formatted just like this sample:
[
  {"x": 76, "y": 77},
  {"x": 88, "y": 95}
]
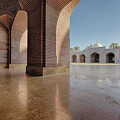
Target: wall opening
[
  {"x": 19, "y": 37},
  {"x": 110, "y": 58},
  {"x": 95, "y": 58},
  {"x": 74, "y": 59},
  {"x": 82, "y": 58}
]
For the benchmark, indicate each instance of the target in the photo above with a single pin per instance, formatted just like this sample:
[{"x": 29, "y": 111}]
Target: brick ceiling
[{"x": 9, "y": 8}]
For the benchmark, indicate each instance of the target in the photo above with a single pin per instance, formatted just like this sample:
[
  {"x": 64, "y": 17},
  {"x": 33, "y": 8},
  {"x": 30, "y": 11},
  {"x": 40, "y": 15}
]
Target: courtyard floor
[{"x": 88, "y": 92}]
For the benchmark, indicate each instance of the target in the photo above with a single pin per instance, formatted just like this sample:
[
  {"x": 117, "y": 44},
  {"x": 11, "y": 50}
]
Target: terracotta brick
[
  {"x": 57, "y": 31},
  {"x": 48, "y": 31}
]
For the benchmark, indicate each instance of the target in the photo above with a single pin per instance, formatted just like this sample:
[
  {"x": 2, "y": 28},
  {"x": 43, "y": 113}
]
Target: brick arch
[
  {"x": 82, "y": 58},
  {"x": 30, "y": 5},
  {"x": 8, "y": 10},
  {"x": 110, "y": 57},
  {"x": 7, "y": 20},
  {"x": 57, "y": 31},
  {"x": 95, "y": 57},
  {"x": 45, "y": 45},
  {"x": 50, "y": 36},
  {"x": 74, "y": 58}
]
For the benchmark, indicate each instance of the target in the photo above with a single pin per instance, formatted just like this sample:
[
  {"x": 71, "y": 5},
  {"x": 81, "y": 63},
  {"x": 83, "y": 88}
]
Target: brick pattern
[
  {"x": 3, "y": 44},
  {"x": 8, "y": 10},
  {"x": 36, "y": 24},
  {"x": 57, "y": 31},
  {"x": 48, "y": 29},
  {"x": 7, "y": 20},
  {"x": 36, "y": 35}
]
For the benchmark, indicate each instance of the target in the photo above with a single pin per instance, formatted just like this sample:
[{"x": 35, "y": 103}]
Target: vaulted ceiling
[{"x": 8, "y": 10}]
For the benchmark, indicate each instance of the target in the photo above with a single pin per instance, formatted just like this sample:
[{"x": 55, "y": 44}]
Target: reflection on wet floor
[{"x": 89, "y": 92}]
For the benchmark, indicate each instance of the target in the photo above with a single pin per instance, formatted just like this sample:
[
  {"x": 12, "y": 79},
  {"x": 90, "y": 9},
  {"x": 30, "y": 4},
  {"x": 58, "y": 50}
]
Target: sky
[{"x": 95, "y": 21}]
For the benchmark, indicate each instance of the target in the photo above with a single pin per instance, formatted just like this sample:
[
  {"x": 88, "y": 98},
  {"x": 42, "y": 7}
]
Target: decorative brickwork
[
  {"x": 58, "y": 14},
  {"x": 48, "y": 30}
]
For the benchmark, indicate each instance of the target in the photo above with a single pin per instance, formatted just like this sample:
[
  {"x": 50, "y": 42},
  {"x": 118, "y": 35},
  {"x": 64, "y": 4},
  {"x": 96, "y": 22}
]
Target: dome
[{"x": 97, "y": 45}]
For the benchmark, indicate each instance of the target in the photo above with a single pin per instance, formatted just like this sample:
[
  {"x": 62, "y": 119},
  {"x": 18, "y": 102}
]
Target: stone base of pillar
[{"x": 38, "y": 71}]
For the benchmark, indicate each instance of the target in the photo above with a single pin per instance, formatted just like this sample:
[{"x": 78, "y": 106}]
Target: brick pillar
[{"x": 36, "y": 39}]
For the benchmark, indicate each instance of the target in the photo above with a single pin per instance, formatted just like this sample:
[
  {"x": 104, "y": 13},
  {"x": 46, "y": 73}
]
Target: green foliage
[
  {"x": 71, "y": 49},
  {"x": 90, "y": 45},
  {"x": 114, "y": 45},
  {"x": 75, "y": 49}
]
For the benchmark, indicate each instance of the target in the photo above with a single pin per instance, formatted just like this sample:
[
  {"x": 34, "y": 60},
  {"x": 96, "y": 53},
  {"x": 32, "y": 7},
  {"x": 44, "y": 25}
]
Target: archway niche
[
  {"x": 19, "y": 39},
  {"x": 95, "y": 58},
  {"x": 74, "y": 59},
  {"x": 49, "y": 43},
  {"x": 3, "y": 46},
  {"x": 110, "y": 58},
  {"x": 82, "y": 58}
]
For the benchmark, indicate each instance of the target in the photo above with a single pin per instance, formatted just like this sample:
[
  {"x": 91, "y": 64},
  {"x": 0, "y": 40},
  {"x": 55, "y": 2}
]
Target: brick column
[{"x": 36, "y": 39}]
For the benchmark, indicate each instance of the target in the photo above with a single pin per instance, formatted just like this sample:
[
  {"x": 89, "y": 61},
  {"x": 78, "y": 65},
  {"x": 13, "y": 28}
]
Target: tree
[
  {"x": 71, "y": 49},
  {"x": 113, "y": 45},
  {"x": 90, "y": 45},
  {"x": 77, "y": 48}
]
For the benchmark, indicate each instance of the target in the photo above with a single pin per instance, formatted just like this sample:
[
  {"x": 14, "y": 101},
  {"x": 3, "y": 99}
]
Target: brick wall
[
  {"x": 36, "y": 31},
  {"x": 48, "y": 30},
  {"x": 57, "y": 31},
  {"x": 3, "y": 45}
]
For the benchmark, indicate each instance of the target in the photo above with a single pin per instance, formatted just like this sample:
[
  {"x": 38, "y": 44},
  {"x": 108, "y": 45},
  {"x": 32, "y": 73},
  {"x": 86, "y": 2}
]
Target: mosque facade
[{"x": 96, "y": 54}]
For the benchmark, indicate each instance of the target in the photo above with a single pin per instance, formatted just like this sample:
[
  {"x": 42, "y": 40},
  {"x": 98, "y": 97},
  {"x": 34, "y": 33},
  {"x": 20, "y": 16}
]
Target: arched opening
[
  {"x": 110, "y": 58},
  {"x": 19, "y": 39},
  {"x": 3, "y": 46},
  {"x": 58, "y": 18},
  {"x": 74, "y": 58},
  {"x": 95, "y": 58},
  {"x": 82, "y": 58}
]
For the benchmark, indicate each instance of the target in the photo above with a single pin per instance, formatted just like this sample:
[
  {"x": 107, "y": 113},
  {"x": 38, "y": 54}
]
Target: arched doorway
[
  {"x": 58, "y": 53},
  {"x": 95, "y": 58},
  {"x": 110, "y": 58},
  {"x": 74, "y": 58},
  {"x": 19, "y": 39},
  {"x": 82, "y": 58}
]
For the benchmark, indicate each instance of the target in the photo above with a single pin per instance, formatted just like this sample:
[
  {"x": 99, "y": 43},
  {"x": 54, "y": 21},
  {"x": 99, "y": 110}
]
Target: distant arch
[
  {"x": 95, "y": 58},
  {"x": 110, "y": 58},
  {"x": 82, "y": 58},
  {"x": 74, "y": 58}
]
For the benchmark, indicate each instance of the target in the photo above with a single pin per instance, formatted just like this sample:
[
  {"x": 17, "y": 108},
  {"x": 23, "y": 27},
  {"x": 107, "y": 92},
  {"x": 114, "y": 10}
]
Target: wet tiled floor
[{"x": 89, "y": 92}]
